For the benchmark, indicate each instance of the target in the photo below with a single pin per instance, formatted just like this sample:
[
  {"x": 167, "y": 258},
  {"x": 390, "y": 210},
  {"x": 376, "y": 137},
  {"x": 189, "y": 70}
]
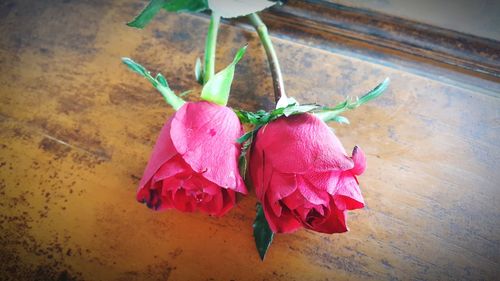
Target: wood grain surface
[{"x": 77, "y": 127}]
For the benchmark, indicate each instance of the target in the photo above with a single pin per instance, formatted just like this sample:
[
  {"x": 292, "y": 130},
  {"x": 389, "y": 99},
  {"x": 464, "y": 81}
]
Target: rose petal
[
  {"x": 326, "y": 180},
  {"x": 267, "y": 172},
  {"x": 229, "y": 200},
  {"x": 144, "y": 195},
  {"x": 286, "y": 223},
  {"x": 214, "y": 206},
  {"x": 311, "y": 193},
  {"x": 154, "y": 199},
  {"x": 163, "y": 151},
  {"x": 294, "y": 200},
  {"x": 205, "y": 135},
  {"x": 334, "y": 223},
  {"x": 166, "y": 202},
  {"x": 301, "y": 143},
  {"x": 348, "y": 195},
  {"x": 302, "y": 212},
  {"x": 175, "y": 166},
  {"x": 320, "y": 209},
  {"x": 194, "y": 182},
  {"x": 280, "y": 186},
  {"x": 210, "y": 188},
  {"x": 183, "y": 202},
  {"x": 171, "y": 184},
  {"x": 256, "y": 161},
  {"x": 359, "y": 158}
]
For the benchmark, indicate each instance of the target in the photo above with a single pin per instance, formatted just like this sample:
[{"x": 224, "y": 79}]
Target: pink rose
[
  {"x": 194, "y": 164},
  {"x": 303, "y": 177}
]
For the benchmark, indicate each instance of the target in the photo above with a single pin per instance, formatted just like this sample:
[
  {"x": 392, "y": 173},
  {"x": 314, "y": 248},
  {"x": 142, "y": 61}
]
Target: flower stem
[
  {"x": 170, "y": 97},
  {"x": 260, "y": 27},
  {"x": 210, "y": 47}
]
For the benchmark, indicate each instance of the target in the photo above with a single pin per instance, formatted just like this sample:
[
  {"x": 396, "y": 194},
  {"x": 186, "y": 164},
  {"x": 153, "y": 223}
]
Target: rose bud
[
  {"x": 303, "y": 177},
  {"x": 194, "y": 164}
]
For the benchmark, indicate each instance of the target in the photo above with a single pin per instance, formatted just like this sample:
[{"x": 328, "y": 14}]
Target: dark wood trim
[{"x": 342, "y": 25}]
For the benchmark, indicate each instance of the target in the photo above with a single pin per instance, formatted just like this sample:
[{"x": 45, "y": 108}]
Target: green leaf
[
  {"x": 237, "y": 8},
  {"x": 147, "y": 14},
  {"x": 179, "y": 6},
  {"x": 186, "y": 6},
  {"x": 198, "y": 71},
  {"x": 262, "y": 233},
  {"x": 218, "y": 87}
]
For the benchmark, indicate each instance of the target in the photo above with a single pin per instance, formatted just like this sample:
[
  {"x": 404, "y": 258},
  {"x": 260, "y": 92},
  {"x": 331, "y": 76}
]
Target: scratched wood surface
[{"x": 76, "y": 130}]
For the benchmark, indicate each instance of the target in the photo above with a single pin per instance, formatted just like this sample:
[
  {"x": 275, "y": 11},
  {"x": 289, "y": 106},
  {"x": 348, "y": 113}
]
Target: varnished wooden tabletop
[{"x": 76, "y": 130}]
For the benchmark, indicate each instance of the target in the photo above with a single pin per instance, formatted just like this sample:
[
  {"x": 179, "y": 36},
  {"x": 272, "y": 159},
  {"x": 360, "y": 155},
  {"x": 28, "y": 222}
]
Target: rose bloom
[
  {"x": 303, "y": 176},
  {"x": 194, "y": 164}
]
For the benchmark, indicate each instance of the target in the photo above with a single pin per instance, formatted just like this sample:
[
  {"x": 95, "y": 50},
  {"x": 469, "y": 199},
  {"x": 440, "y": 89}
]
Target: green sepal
[
  {"x": 298, "y": 109},
  {"x": 245, "y": 137},
  {"x": 288, "y": 106},
  {"x": 242, "y": 159},
  {"x": 242, "y": 164},
  {"x": 248, "y": 135},
  {"x": 262, "y": 117},
  {"x": 161, "y": 79},
  {"x": 285, "y": 101},
  {"x": 341, "y": 119},
  {"x": 160, "y": 83},
  {"x": 262, "y": 233},
  {"x": 139, "y": 69},
  {"x": 179, "y": 6},
  {"x": 375, "y": 92},
  {"x": 185, "y": 93},
  {"x": 254, "y": 118},
  {"x": 217, "y": 89},
  {"x": 135, "y": 67},
  {"x": 331, "y": 113},
  {"x": 198, "y": 71}
]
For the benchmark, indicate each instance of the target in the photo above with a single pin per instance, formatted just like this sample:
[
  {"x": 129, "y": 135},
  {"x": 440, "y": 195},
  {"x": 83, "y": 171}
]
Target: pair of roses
[{"x": 299, "y": 169}]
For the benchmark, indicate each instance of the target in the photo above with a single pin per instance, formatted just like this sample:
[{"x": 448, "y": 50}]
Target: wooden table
[{"x": 77, "y": 127}]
